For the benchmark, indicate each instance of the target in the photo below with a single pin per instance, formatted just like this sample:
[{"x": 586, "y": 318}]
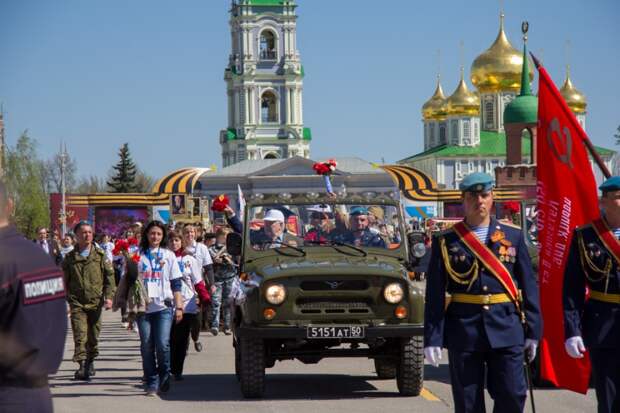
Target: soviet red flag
[{"x": 566, "y": 198}]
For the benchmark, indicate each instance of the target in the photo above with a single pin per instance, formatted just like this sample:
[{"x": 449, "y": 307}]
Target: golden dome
[
  {"x": 462, "y": 101},
  {"x": 435, "y": 108},
  {"x": 499, "y": 67},
  {"x": 574, "y": 98}
]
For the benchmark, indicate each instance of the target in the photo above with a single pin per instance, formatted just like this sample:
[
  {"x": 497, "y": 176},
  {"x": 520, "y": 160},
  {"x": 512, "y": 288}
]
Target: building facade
[
  {"x": 264, "y": 84},
  {"x": 465, "y": 132}
]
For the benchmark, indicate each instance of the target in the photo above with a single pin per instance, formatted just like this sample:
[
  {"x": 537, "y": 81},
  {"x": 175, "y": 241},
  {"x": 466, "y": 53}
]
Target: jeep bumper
[{"x": 371, "y": 332}]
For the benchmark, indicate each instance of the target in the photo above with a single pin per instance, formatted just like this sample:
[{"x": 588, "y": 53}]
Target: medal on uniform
[
  {"x": 497, "y": 236},
  {"x": 502, "y": 250},
  {"x": 502, "y": 258}
]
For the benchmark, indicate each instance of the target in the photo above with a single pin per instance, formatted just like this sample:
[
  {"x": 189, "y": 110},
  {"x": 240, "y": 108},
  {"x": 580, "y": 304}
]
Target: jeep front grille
[
  {"x": 321, "y": 305},
  {"x": 334, "y": 285}
]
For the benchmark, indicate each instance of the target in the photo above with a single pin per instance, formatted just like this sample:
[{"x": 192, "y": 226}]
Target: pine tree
[{"x": 124, "y": 178}]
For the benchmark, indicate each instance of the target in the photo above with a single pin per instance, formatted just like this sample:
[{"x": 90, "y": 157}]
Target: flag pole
[{"x": 597, "y": 158}]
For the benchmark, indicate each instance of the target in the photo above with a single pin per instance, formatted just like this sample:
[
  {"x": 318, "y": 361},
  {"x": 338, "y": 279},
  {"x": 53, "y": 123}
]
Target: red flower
[
  {"x": 220, "y": 203},
  {"x": 512, "y": 207},
  {"x": 322, "y": 168},
  {"x": 135, "y": 258},
  {"x": 132, "y": 241},
  {"x": 120, "y": 246}
]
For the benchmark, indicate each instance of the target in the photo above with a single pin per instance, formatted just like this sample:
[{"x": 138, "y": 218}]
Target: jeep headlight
[
  {"x": 393, "y": 293},
  {"x": 275, "y": 294}
]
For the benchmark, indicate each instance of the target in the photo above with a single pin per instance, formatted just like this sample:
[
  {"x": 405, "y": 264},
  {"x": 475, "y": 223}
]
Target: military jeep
[{"x": 326, "y": 287}]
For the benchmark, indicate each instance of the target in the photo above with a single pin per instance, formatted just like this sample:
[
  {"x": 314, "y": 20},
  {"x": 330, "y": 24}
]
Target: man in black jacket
[{"x": 33, "y": 320}]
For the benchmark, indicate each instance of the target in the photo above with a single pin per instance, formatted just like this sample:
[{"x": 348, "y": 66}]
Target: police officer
[
  {"x": 90, "y": 285},
  {"x": 594, "y": 324},
  {"x": 493, "y": 314},
  {"x": 33, "y": 321}
]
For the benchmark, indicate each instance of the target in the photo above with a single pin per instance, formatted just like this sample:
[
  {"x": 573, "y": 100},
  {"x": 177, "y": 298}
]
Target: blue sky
[{"x": 150, "y": 72}]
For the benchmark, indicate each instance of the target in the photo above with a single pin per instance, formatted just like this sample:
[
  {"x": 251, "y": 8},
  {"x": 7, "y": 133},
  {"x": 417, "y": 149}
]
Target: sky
[{"x": 96, "y": 74}]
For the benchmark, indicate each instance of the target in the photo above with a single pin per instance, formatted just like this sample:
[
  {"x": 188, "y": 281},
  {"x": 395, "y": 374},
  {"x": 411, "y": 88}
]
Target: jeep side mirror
[{"x": 233, "y": 243}]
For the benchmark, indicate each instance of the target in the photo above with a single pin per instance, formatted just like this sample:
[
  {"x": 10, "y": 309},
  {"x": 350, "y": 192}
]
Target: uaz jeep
[{"x": 326, "y": 277}]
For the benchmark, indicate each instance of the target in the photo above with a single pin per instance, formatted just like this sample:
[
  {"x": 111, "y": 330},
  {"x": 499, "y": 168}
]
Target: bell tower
[{"x": 264, "y": 84}]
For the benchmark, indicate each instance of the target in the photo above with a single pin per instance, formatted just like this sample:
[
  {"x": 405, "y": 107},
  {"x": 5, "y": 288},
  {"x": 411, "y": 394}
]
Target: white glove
[
  {"x": 574, "y": 347},
  {"x": 530, "y": 349},
  {"x": 433, "y": 355}
]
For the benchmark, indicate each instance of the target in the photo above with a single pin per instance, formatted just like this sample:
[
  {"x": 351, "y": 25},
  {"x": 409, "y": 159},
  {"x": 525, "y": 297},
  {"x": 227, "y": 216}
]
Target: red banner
[{"x": 567, "y": 197}]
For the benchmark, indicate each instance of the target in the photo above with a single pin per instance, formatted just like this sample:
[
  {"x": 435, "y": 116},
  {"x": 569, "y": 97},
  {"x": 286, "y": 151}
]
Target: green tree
[
  {"x": 123, "y": 177},
  {"x": 26, "y": 185},
  {"x": 90, "y": 185},
  {"x": 144, "y": 182}
]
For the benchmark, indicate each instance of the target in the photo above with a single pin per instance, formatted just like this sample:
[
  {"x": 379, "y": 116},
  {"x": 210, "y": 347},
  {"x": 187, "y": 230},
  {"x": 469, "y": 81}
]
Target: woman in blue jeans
[{"x": 160, "y": 274}]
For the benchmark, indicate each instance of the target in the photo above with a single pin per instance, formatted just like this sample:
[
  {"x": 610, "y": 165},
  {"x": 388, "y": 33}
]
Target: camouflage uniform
[{"x": 89, "y": 281}]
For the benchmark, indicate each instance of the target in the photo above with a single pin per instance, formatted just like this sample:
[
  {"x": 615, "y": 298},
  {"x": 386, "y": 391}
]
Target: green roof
[
  {"x": 307, "y": 134},
  {"x": 524, "y": 108},
  {"x": 492, "y": 144},
  {"x": 266, "y": 2},
  {"x": 231, "y": 134}
]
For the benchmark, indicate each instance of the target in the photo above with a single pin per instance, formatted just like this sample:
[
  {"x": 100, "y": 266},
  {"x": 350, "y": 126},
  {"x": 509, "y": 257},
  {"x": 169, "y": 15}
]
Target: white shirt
[
  {"x": 192, "y": 274},
  {"x": 45, "y": 246},
  {"x": 108, "y": 247},
  {"x": 200, "y": 252},
  {"x": 157, "y": 267}
]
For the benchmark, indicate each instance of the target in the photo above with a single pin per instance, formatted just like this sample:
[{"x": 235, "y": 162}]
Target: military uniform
[
  {"x": 33, "y": 323},
  {"x": 481, "y": 325},
  {"x": 592, "y": 264},
  {"x": 89, "y": 281}
]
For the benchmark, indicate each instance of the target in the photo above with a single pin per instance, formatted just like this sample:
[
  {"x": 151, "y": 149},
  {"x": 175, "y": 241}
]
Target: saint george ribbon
[
  {"x": 566, "y": 198},
  {"x": 489, "y": 260},
  {"x": 607, "y": 237}
]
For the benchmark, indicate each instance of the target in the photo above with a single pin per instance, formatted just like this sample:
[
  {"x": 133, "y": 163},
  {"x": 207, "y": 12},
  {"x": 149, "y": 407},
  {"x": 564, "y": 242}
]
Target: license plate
[{"x": 336, "y": 332}]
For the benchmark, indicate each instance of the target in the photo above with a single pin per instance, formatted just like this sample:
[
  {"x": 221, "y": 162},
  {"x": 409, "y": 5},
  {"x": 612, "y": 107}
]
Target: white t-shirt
[
  {"x": 200, "y": 252},
  {"x": 157, "y": 267},
  {"x": 108, "y": 247},
  {"x": 192, "y": 274}
]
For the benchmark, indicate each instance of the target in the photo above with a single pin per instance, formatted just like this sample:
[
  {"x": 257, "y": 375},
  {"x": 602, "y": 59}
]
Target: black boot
[
  {"x": 80, "y": 373},
  {"x": 90, "y": 367}
]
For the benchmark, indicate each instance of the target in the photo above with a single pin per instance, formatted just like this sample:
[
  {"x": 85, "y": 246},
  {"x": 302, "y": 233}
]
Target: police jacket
[
  {"x": 591, "y": 264},
  {"x": 33, "y": 319},
  {"x": 453, "y": 268},
  {"x": 89, "y": 279}
]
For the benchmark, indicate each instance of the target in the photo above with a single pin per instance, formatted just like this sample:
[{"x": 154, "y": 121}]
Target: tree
[
  {"x": 90, "y": 185},
  {"x": 51, "y": 169},
  {"x": 617, "y": 135},
  {"x": 26, "y": 185},
  {"x": 123, "y": 178},
  {"x": 144, "y": 182}
]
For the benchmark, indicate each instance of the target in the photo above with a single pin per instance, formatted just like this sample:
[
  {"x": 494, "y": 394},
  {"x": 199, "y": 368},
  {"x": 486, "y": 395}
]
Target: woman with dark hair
[
  {"x": 192, "y": 290},
  {"x": 159, "y": 272}
]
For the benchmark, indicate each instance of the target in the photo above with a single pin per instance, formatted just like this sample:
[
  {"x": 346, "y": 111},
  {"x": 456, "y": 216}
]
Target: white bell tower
[{"x": 264, "y": 83}]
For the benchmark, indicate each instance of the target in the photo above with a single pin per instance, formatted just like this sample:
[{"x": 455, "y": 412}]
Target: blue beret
[
  {"x": 611, "y": 184},
  {"x": 477, "y": 182},
  {"x": 358, "y": 210}
]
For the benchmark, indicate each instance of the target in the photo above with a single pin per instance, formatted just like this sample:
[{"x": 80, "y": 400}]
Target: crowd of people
[{"x": 169, "y": 282}]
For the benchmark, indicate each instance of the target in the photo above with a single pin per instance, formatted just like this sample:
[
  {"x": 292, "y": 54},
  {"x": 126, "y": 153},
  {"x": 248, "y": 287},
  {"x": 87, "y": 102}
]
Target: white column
[
  {"x": 230, "y": 108},
  {"x": 252, "y": 105},
  {"x": 293, "y": 105},
  {"x": 301, "y": 106},
  {"x": 288, "y": 105},
  {"x": 246, "y": 101},
  {"x": 237, "y": 105}
]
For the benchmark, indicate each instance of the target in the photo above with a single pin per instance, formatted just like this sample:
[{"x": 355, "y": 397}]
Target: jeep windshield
[{"x": 350, "y": 228}]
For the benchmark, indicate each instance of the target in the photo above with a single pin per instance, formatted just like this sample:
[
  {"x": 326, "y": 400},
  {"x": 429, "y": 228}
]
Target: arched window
[
  {"x": 267, "y": 45},
  {"x": 268, "y": 108},
  {"x": 271, "y": 155},
  {"x": 442, "y": 134},
  {"x": 489, "y": 114},
  {"x": 455, "y": 132}
]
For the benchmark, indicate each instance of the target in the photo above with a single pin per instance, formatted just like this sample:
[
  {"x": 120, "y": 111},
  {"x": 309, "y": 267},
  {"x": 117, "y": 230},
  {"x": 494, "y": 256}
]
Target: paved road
[{"x": 334, "y": 385}]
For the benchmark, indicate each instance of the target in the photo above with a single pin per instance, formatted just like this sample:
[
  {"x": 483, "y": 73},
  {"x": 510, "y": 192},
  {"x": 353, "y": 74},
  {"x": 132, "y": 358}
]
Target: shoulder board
[
  {"x": 510, "y": 225},
  {"x": 584, "y": 227},
  {"x": 445, "y": 232},
  {"x": 99, "y": 250}
]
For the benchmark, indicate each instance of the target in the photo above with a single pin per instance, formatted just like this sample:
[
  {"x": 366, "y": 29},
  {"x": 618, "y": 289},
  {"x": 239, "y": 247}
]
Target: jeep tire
[
  {"x": 410, "y": 374},
  {"x": 236, "y": 345},
  {"x": 386, "y": 368},
  {"x": 252, "y": 367}
]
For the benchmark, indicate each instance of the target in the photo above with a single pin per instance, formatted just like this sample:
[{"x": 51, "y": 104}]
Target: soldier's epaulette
[
  {"x": 583, "y": 227},
  {"x": 445, "y": 232},
  {"x": 99, "y": 250},
  {"x": 510, "y": 224}
]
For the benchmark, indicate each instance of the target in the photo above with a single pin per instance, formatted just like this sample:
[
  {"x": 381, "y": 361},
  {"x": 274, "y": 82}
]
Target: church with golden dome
[{"x": 464, "y": 132}]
